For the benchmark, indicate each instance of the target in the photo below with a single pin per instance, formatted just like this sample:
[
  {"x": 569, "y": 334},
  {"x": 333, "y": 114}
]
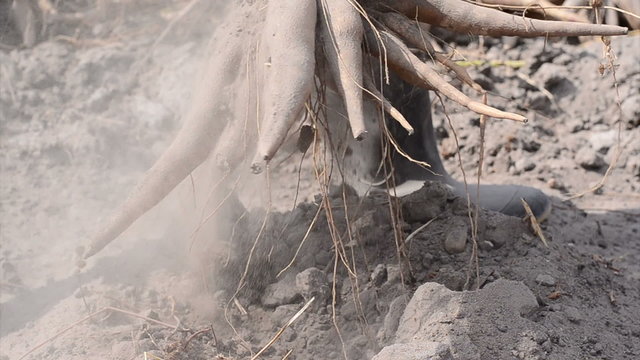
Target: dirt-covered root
[
  {"x": 192, "y": 145},
  {"x": 288, "y": 62}
]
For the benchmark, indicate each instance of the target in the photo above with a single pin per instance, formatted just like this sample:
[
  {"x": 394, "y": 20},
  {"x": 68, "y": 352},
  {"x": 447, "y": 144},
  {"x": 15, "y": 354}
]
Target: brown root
[
  {"x": 414, "y": 71},
  {"x": 416, "y": 34},
  {"x": 192, "y": 144},
  {"x": 542, "y": 7},
  {"x": 464, "y": 17}
]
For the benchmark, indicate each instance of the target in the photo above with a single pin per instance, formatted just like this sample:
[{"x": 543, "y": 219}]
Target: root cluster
[{"x": 279, "y": 51}]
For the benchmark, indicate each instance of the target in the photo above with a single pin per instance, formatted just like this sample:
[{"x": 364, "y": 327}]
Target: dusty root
[{"x": 334, "y": 55}]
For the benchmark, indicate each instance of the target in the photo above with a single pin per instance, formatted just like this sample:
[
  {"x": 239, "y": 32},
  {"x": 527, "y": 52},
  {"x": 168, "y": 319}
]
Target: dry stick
[
  {"x": 233, "y": 233},
  {"x": 255, "y": 242},
  {"x": 334, "y": 318},
  {"x": 209, "y": 196},
  {"x": 474, "y": 229},
  {"x": 418, "y": 230},
  {"x": 391, "y": 200},
  {"x": 213, "y": 212},
  {"x": 303, "y": 145},
  {"x": 304, "y": 239},
  {"x": 526, "y": 78},
  {"x": 464, "y": 175},
  {"x": 327, "y": 204},
  {"x": 248, "y": 263},
  {"x": 534, "y": 222},
  {"x": 169, "y": 27},
  {"x": 92, "y": 315},
  {"x": 397, "y": 147},
  {"x": 286, "y": 356},
  {"x": 414, "y": 71},
  {"x": 354, "y": 280},
  {"x": 463, "y": 17},
  {"x": 197, "y": 333},
  {"x": 381, "y": 101},
  {"x": 324, "y": 182}
]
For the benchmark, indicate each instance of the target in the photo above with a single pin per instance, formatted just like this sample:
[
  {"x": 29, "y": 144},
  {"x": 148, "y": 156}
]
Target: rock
[
  {"x": 394, "y": 274},
  {"x": 530, "y": 145},
  {"x": 426, "y": 203},
  {"x": 546, "y": 280},
  {"x": 424, "y": 351},
  {"x": 589, "y": 159},
  {"x": 364, "y": 223},
  {"x": 631, "y": 110},
  {"x": 379, "y": 275},
  {"x": 456, "y": 240},
  {"x": 450, "y": 278},
  {"x": 392, "y": 318},
  {"x": 493, "y": 315},
  {"x": 282, "y": 292},
  {"x": 556, "y": 184},
  {"x": 603, "y": 140},
  {"x": 525, "y": 164},
  {"x": 313, "y": 282}
]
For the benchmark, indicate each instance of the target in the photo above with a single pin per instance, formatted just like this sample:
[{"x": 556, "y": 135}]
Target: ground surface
[{"x": 82, "y": 119}]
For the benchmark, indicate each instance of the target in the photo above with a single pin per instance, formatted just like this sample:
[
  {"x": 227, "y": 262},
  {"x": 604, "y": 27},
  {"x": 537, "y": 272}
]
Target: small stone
[
  {"x": 313, "y": 282},
  {"x": 486, "y": 245},
  {"x": 281, "y": 293},
  {"x": 426, "y": 203},
  {"x": 364, "y": 222},
  {"x": 546, "y": 280},
  {"x": 379, "y": 275},
  {"x": 456, "y": 240},
  {"x": 525, "y": 164},
  {"x": 589, "y": 159},
  {"x": 573, "y": 314},
  {"x": 556, "y": 184},
  {"x": 530, "y": 145},
  {"x": 394, "y": 275},
  {"x": 603, "y": 140},
  {"x": 631, "y": 110}
]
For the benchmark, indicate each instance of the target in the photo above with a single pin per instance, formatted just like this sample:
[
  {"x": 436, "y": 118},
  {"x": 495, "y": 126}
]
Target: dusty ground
[{"x": 82, "y": 118}]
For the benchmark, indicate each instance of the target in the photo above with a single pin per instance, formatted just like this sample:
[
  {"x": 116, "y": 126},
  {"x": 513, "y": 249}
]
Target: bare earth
[{"x": 80, "y": 122}]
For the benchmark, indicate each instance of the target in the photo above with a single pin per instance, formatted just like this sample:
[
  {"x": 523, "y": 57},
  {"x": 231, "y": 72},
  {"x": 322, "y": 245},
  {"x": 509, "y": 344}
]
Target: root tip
[{"x": 360, "y": 136}]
